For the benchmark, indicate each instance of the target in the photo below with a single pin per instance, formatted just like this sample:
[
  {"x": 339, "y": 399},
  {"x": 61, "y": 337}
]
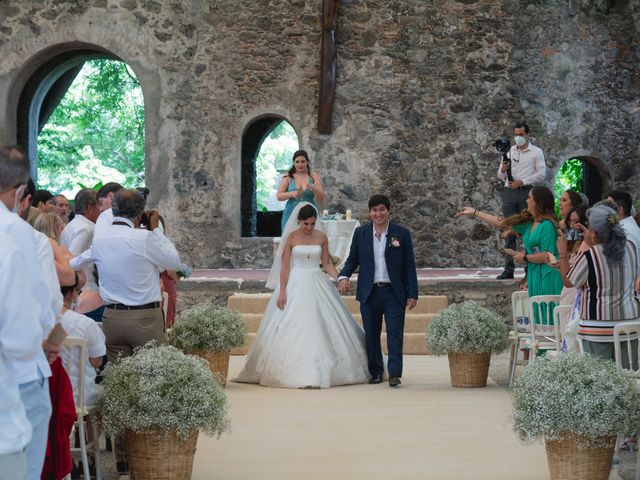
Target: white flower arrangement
[
  {"x": 208, "y": 327},
  {"x": 575, "y": 393},
  {"x": 466, "y": 328},
  {"x": 159, "y": 387}
]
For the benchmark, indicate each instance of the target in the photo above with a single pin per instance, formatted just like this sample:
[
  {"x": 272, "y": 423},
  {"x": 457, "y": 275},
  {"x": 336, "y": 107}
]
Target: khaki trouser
[{"x": 127, "y": 329}]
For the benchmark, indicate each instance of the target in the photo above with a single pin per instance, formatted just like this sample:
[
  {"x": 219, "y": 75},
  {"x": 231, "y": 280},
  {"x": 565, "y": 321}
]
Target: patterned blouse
[{"x": 607, "y": 292}]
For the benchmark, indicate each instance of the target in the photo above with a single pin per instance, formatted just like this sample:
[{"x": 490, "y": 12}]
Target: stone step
[
  {"x": 257, "y": 303},
  {"x": 414, "y": 344},
  {"x": 413, "y": 322}
]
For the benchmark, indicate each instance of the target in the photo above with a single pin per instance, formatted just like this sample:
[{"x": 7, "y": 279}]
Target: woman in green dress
[
  {"x": 299, "y": 185},
  {"x": 539, "y": 228}
]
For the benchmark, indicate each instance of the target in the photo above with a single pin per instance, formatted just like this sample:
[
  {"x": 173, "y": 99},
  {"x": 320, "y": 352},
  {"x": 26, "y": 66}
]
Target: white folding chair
[
  {"x": 627, "y": 335},
  {"x": 560, "y": 316},
  {"x": 519, "y": 310},
  {"x": 545, "y": 334},
  {"x": 83, "y": 412}
]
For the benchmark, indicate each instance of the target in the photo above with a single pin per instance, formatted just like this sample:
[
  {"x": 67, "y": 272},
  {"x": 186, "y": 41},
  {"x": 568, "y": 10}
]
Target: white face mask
[{"x": 520, "y": 140}]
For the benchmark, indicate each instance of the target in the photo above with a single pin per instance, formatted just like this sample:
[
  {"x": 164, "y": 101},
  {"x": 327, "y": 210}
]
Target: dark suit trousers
[
  {"x": 383, "y": 301},
  {"x": 513, "y": 201}
]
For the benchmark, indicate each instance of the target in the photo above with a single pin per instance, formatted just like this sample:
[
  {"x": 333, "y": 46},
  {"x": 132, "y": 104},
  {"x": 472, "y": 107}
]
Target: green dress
[{"x": 541, "y": 278}]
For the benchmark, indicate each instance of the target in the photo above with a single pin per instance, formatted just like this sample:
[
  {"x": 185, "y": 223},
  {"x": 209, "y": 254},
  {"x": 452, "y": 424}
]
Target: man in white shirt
[
  {"x": 525, "y": 167},
  {"x": 624, "y": 201},
  {"x": 78, "y": 234},
  {"x": 20, "y": 339},
  {"x": 30, "y": 373},
  {"x": 129, "y": 261},
  {"x": 61, "y": 207}
]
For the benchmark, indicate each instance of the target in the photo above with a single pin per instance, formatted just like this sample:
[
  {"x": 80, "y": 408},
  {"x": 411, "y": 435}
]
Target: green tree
[
  {"x": 569, "y": 177},
  {"x": 97, "y": 131}
]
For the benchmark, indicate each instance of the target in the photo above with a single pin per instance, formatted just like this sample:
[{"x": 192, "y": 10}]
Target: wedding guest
[
  {"x": 61, "y": 207},
  {"x": 538, "y": 226},
  {"x": 605, "y": 276},
  {"x": 300, "y": 184},
  {"x": 30, "y": 373},
  {"x": 51, "y": 225},
  {"x": 105, "y": 199},
  {"x": 129, "y": 261},
  {"x": 624, "y": 203},
  {"x": 21, "y": 340},
  {"x": 568, "y": 200},
  {"x": 43, "y": 201},
  {"x": 78, "y": 325}
]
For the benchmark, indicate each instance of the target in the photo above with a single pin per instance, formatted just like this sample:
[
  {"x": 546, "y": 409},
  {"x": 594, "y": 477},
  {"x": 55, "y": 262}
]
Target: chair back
[
  {"x": 541, "y": 309},
  {"x": 519, "y": 306},
  {"x": 69, "y": 344},
  {"x": 560, "y": 318},
  {"x": 625, "y": 343}
]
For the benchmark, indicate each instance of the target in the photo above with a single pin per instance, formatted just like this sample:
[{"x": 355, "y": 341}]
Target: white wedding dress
[{"x": 314, "y": 341}]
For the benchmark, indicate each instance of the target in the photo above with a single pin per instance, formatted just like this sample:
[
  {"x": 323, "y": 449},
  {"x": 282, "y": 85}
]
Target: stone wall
[{"x": 424, "y": 88}]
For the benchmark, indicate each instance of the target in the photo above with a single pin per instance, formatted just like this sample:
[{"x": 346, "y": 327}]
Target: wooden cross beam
[{"x": 328, "y": 54}]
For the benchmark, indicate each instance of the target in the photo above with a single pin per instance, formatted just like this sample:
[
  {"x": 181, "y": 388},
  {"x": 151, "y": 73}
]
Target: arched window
[
  {"x": 583, "y": 174},
  {"x": 268, "y": 144},
  {"x": 81, "y": 119}
]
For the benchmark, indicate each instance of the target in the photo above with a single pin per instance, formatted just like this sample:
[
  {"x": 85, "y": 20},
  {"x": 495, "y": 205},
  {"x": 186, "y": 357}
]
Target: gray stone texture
[{"x": 424, "y": 88}]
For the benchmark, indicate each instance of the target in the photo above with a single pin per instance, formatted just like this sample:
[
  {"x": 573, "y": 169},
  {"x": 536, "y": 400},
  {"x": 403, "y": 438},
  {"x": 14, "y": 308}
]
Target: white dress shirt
[
  {"x": 129, "y": 262},
  {"x": 381, "y": 274},
  {"x": 527, "y": 165},
  {"x": 103, "y": 222},
  {"x": 632, "y": 231},
  {"x": 40, "y": 269},
  {"x": 77, "y": 237},
  {"x": 20, "y": 339},
  {"x": 78, "y": 325}
]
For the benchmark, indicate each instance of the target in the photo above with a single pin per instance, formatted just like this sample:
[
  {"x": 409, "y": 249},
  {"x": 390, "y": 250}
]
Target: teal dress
[
  {"x": 307, "y": 196},
  {"x": 541, "y": 278}
]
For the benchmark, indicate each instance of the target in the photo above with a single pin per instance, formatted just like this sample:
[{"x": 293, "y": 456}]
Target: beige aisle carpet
[{"x": 423, "y": 430}]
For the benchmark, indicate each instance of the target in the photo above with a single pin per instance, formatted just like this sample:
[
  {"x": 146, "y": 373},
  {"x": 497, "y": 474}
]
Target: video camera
[{"x": 503, "y": 145}]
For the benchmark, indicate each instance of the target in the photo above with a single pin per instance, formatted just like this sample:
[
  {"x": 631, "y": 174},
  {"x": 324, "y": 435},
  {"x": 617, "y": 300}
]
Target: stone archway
[{"x": 596, "y": 178}]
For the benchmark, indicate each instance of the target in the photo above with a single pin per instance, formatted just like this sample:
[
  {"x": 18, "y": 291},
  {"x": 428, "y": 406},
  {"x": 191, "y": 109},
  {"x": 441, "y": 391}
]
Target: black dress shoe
[
  {"x": 375, "y": 379},
  {"x": 394, "y": 381},
  {"x": 506, "y": 275}
]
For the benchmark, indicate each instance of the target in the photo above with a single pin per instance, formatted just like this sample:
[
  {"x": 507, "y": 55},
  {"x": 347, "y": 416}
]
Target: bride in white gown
[{"x": 307, "y": 337}]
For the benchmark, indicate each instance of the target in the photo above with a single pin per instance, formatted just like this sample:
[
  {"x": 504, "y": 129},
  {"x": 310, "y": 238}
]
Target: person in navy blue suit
[{"x": 387, "y": 285}]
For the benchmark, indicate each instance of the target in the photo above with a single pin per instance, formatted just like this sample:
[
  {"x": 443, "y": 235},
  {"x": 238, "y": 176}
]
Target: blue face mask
[{"x": 18, "y": 198}]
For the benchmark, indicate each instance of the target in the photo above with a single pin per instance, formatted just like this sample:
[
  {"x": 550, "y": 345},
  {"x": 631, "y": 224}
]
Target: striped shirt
[{"x": 607, "y": 292}]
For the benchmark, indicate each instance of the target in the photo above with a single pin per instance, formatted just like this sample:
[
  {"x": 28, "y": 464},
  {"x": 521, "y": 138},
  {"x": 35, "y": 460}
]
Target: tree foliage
[
  {"x": 273, "y": 160},
  {"x": 97, "y": 131},
  {"x": 569, "y": 177}
]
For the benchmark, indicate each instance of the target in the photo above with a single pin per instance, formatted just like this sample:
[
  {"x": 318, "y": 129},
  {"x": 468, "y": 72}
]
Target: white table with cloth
[{"x": 339, "y": 233}]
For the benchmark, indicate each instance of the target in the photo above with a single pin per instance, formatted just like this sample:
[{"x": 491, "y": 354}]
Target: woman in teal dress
[
  {"x": 299, "y": 185},
  {"x": 539, "y": 229}
]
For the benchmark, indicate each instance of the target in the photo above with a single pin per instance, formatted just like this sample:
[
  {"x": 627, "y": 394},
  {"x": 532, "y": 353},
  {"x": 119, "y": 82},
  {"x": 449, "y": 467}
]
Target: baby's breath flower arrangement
[
  {"x": 208, "y": 327},
  {"x": 161, "y": 388},
  {"x": 466, "y": 328},
  {"x": 577, "y": 394}
]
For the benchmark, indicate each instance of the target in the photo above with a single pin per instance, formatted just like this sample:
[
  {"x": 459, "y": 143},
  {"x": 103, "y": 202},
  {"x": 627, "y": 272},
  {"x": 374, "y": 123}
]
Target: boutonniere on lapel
[{"x": 394, "y": 242}]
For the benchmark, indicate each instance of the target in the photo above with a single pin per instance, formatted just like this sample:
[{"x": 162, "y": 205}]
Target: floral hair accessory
[
  {"x": 613, "y": 219},
  {"x": 394, "y": 242}
]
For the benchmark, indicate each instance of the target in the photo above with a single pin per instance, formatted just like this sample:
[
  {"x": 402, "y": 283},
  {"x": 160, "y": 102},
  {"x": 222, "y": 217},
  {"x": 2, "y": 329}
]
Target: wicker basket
[
  {"x": 159, "y": 455},
  {"x": 218, "y": 363},
  {"x": 469, "y": 370},
  {"x": 570, "y": 459}
]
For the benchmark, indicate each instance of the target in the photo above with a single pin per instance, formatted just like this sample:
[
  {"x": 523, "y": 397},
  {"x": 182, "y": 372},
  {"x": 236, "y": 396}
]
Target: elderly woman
[
  {"x": 299, "y": 185},
  {"x": 604, "y": 274}
]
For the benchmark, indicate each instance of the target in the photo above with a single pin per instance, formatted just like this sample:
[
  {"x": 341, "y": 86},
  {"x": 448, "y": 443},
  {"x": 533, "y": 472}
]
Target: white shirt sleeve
[
  {"x": 82, "y": 260},
  {"x": 161, "y": 252},
  {"x": 45, "y": 254},
  {"x": 95, "y": 341}
]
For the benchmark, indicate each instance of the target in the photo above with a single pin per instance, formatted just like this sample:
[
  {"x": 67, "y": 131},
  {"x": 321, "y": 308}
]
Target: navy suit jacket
[{"x": 401, "y": 264}]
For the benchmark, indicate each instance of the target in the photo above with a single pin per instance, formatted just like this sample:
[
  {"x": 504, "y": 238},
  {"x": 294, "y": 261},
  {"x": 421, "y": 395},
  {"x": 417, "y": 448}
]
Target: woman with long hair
[
  {"x": 538, "y": 226},
  {"x": 300, "y": 184}
]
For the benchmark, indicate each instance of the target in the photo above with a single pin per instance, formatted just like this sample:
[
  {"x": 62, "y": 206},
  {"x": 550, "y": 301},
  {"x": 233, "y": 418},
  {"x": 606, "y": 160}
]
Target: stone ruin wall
[{"x": 424, "y": 88}]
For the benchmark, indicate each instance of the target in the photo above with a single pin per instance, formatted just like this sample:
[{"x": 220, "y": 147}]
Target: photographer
[{"x": 522, "y": 167}]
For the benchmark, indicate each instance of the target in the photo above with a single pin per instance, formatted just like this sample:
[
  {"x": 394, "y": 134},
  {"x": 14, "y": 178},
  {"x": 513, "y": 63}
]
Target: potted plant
[
  {"x": 158, "y": 399},
  {"x": 209, "y": 331},
  {"x": 578, "y": 403},
  {"x": 468, "y": 333}
]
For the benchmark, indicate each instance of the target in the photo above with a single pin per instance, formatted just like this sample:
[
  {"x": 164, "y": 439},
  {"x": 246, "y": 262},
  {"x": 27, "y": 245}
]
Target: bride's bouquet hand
[{"x": 282, "y": 300}]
